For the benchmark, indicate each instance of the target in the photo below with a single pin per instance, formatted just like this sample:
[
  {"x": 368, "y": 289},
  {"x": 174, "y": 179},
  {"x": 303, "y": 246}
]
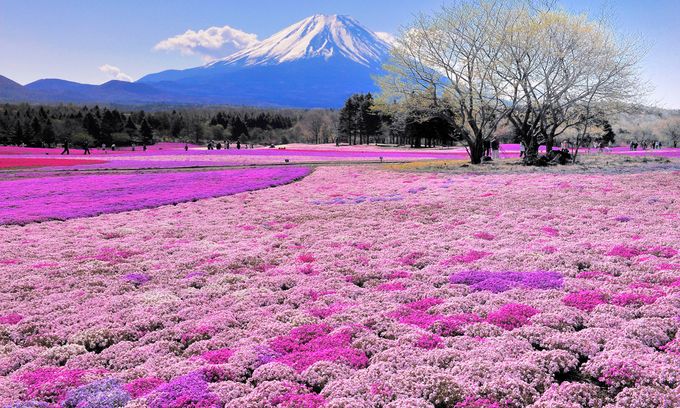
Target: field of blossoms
[
  {"x": 355, "y": 286},
  {"x": 173, "y": 155}
]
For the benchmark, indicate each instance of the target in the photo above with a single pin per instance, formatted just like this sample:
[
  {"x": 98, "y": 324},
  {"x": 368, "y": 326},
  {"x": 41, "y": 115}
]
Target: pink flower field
[
  {"x": 352, "y": 287},
  {"x": 172, "y": 155}
]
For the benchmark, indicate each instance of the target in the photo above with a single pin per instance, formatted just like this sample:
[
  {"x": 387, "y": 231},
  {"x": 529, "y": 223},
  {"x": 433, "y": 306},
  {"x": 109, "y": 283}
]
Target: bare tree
[
  {"x": 480, "y": 62},
  {"x": 570, "y": 70},
  {"x": 312, "y": 124},
  {"x": 450, "y": 60},
  {"x": 672, "y": 131}
]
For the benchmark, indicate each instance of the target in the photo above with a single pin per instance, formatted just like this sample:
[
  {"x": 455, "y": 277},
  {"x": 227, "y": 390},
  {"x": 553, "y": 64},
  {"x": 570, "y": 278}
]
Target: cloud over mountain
[
  {"x": 115, "y": 73},
  {"x": 210, "y": 43}
]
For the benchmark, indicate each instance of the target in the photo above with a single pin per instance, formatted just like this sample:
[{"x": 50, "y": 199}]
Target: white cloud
[
  {"x": 115, "y": 73},
  {"x": 210, "y": 43},
  {"x": 387, "y": 37}
]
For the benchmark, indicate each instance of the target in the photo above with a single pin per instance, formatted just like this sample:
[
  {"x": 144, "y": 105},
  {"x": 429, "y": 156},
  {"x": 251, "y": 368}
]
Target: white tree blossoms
[{"x": 481, "y": 62}]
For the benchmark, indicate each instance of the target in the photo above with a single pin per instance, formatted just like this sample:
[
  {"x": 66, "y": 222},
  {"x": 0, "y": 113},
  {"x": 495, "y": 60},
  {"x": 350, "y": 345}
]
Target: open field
[{"x": 420, "y": 283}]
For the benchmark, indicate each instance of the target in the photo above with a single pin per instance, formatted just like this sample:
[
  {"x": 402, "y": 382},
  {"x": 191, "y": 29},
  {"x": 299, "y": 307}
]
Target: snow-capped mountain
[
  {"x": 318, "y": 36},
  {"x": 316, "y": 62}
]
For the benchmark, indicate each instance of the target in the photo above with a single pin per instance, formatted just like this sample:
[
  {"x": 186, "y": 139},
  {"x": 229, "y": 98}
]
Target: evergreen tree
[
  {"x": 131, "y": 128},
  {"x": 91, "y": 125},
  {"x": 370, "y": 121},
  {"x": 146, "y": 132},
  {"x": 177, "y": 126},
  {"x": 238, "y": 129},
  {"x": 18, "y": 134},
  {"x": 608, "y": 135},
  {"x": 346, "y": 121},
  {"x": 36, "y": 132},
  {"x": 109, "y": 126},
  {"x": 48, "y": 136}
]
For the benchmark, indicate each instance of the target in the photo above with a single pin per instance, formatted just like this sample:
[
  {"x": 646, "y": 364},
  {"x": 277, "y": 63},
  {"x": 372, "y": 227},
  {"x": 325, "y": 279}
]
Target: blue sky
[{"x": 75, "y": 39}]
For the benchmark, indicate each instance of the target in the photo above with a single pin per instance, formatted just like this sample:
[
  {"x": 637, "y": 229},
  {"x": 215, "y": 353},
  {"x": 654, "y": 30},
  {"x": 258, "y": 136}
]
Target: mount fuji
[{"x": 316, "y": 62}]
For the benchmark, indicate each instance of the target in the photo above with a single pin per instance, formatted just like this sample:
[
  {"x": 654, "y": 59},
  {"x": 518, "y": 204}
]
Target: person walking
[
  {"x": 238, "y": 144},
  {"x": 487, "y": 148},
  {"x": 186, "y": 147},
  {"x": 495, "y": 149},
  {"x": 66, "y": 150},
  {"x": 86, "y": 148},
  {"x": 104, "y": 147},
  {"x": 522, "y": 149},
  {"x": 113, "y": 147}
]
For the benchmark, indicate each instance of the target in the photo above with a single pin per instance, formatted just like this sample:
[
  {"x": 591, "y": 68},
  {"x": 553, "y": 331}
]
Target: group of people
[
  {"x": 492, "y": 149},
  {"x": 644, "y": 145},
  {"x": 86, "y": 147},
  {"x": 218, "y": 146}
]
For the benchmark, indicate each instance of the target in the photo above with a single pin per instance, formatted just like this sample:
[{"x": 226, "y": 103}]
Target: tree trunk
[
  {"x": 476, "y": 150},
  {"x": 531, "y": 152}
]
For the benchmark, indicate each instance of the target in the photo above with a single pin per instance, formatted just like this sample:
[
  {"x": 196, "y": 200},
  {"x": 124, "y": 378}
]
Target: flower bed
[
  {"x": 506, "y": 290},
  {"x": 60, "y": 198},
  {"x": 18, "y": 162}
]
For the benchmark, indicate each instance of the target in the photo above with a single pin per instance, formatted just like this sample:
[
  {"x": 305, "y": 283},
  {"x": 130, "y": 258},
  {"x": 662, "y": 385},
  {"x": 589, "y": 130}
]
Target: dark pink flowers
[
  {"x": 585, "y": 300},
  {"x": 511, "y": 316}
]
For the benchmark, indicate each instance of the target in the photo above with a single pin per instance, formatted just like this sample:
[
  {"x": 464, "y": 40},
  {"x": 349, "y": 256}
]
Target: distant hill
[{"x": 11, "y": 91}]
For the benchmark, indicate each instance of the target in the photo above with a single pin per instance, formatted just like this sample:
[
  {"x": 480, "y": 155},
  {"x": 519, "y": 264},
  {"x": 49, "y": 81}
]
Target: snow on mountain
[
  {"x": 320, "y": 35},
  {"x": 316, "y": 62}
]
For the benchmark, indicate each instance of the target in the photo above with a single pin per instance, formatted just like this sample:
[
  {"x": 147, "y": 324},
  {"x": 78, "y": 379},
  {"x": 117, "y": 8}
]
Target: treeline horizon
[
  {"x": 360, "y": 121},
  {"x": 94, "y": 125}
]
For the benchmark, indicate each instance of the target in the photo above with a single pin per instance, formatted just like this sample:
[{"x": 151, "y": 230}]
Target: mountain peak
[{"x": 318, "y": 36}]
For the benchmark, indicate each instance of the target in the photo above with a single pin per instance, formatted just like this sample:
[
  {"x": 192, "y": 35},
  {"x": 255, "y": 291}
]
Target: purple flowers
[
  {"x": 498, "y": 282},
  {"x": 48, "y": 198},
  {"x": 106, "y": 393},
  {"x": 137, "y": 279},
  {"x": 190, "y": 390}
]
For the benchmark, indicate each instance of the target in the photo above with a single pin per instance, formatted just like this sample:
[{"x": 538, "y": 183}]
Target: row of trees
[
  {"x": 38, "y": 126},
  {"x": 478, "y": 64},
  {"x": 362, "y": 121}
]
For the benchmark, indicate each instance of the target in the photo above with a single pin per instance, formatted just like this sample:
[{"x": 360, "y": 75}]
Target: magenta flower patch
[
  {"x": 308, "y": 344},
  {"x": 624, "y": 251},
  {"x": 511, "y": 316},
  {"x": 219, "y": 356},
  {"x": 585, "y": 300},
  {"x": 12, "y": 318},
  {"x": 468, "y": 257}
]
